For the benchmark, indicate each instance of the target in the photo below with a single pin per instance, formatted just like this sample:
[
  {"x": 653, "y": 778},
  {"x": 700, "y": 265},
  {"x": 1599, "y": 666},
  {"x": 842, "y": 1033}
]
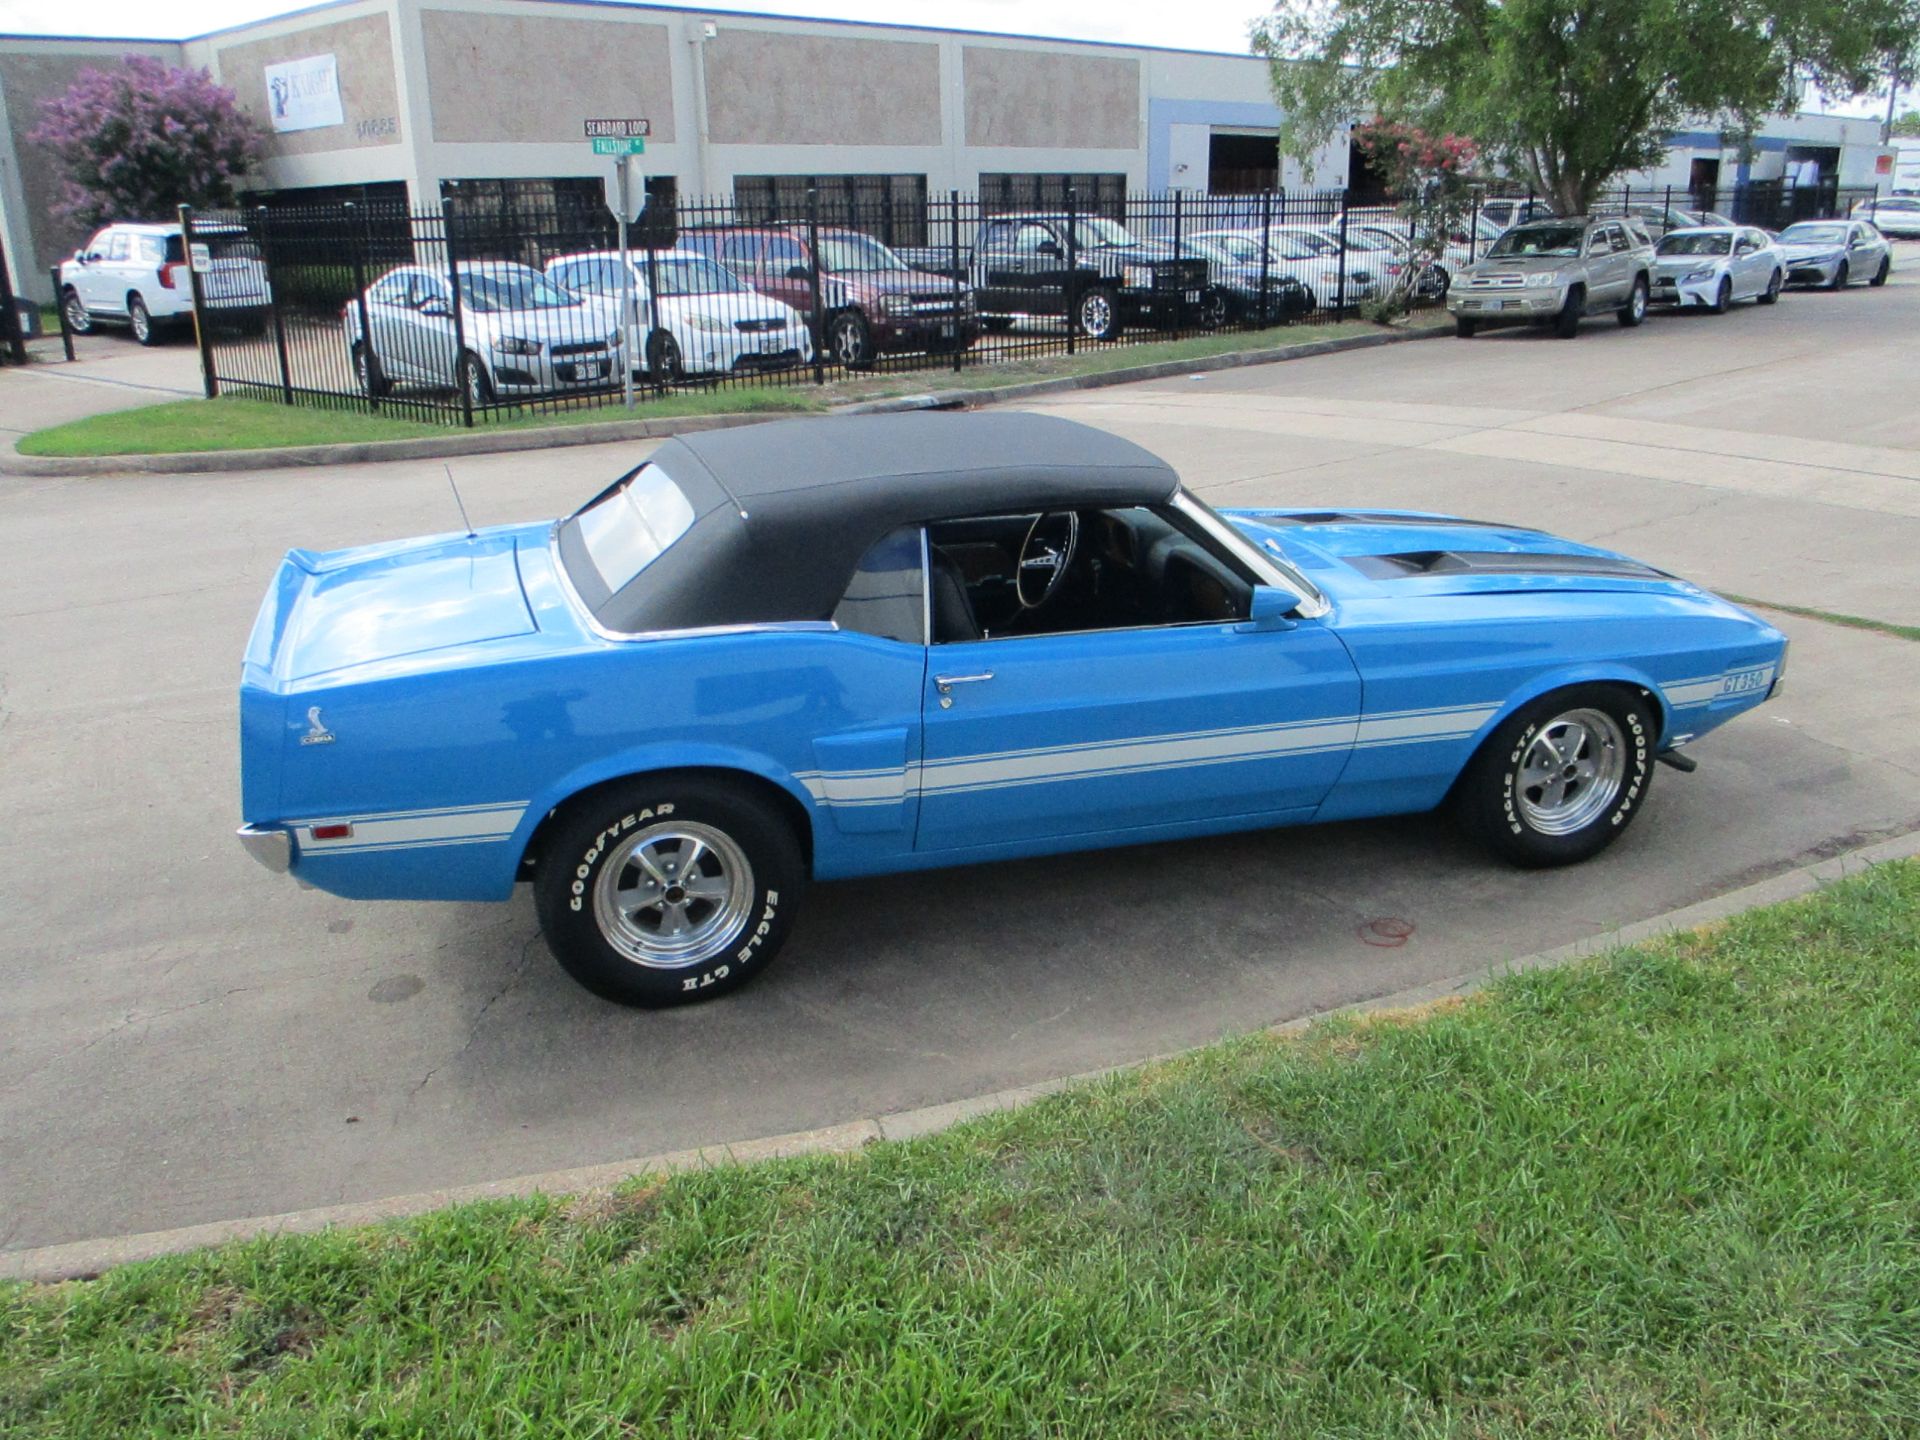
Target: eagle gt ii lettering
[{"x": 826, "y": 648}]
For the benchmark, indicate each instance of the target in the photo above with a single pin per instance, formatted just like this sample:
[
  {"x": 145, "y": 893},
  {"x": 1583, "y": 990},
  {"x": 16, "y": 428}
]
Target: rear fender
[{"x": 651, "y": 759}]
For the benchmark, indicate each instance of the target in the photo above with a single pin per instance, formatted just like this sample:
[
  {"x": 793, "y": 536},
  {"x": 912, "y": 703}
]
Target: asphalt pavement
[{"x": 190, "y": 1039}]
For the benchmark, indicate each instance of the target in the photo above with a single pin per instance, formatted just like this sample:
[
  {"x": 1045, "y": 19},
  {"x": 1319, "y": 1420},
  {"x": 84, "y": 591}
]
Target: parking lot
[{"x": 191, "y": 1039}]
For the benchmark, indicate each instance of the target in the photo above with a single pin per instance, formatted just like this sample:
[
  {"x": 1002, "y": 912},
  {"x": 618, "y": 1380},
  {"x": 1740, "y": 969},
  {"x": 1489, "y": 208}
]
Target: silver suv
[{"x": 1552, "y": 272}]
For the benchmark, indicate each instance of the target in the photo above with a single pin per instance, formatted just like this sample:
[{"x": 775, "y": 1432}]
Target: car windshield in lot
[
  {"x": 1089, "y": 230},
  {"x": 844, "y": 253},
  {"x": 1813, "y": 235},
  {"x": 628, "y": 527},
  {"x": 698, "y": 277},
  {"x": 489, "y": 291},
  {"x": 1537, "y": 240},
  {"x": 1235, "y": 247},
  {"x": 1681, "y": 243}
]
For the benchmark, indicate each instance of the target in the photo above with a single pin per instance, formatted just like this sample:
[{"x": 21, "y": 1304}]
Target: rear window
[{"x": 627, "y": 529}]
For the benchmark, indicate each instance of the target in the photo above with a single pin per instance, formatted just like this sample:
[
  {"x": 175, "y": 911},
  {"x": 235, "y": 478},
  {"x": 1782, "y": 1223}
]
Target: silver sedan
[
  {"x": 1835, "y": 253},
  {"x": 1710, "y": 267}
]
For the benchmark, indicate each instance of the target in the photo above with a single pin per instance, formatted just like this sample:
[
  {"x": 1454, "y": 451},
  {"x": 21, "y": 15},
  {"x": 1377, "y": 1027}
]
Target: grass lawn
[
  {"x": 1675, "y": 1192},
  {"x": 233, "y": 423},
  {"x": 1851, "y": 622}
]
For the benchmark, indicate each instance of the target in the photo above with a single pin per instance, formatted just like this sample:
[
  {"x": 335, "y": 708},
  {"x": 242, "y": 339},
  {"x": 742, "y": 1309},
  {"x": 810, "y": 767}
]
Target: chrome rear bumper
[{"x": 272, "y": 848}]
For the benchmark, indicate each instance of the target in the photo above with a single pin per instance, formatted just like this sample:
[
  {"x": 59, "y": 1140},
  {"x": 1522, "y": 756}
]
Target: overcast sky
[{"x": 1185, "y": 24}]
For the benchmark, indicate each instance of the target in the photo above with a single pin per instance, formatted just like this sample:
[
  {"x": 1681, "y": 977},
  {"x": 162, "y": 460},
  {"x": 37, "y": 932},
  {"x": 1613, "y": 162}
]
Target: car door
[
  {"x": 430, "y": 340},
  {"x": 87, "y": 275},
  {"x": 114, "y": 274},
  {"x": 783, "y": 270},
  {"x": 1753, "y": 265},
  {"x": 1104, "y": 732},
  {"x": 1609, "y": 267},
  {"x": 389, "y": 315}
]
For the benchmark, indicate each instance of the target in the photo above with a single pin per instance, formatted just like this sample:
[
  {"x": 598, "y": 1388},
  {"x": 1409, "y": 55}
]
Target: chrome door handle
[{"x": 945, "y": 683}]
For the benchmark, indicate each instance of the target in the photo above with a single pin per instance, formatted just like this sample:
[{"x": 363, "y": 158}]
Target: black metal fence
[{"x": 469, "y": 314}]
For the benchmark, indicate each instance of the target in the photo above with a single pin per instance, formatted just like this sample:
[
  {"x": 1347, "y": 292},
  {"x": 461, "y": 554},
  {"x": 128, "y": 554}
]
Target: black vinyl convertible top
[{"x": 784, "y": 511}]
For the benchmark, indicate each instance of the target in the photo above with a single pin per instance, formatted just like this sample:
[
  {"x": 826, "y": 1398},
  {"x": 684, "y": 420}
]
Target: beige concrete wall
[
  {"x": 369, "y": 91},
  {"x": 769, "y": 87},
  {"x": 535, "y": 78},
  {"x": 1049, "y": 98},
  {"x": 28, "y": 77}
]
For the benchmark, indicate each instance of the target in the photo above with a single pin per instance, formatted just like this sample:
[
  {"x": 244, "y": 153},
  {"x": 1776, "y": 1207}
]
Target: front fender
[{"x": 1608, "y": 672}]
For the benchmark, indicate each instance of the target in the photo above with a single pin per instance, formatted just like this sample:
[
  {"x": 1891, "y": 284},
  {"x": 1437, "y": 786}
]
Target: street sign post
[{"x": 624, "y": 139}]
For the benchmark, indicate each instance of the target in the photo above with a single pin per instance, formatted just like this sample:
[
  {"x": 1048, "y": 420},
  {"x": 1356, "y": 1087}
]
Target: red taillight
[
  {"x": 333, "y": 832},
  {"x": 166, "y": 274}
]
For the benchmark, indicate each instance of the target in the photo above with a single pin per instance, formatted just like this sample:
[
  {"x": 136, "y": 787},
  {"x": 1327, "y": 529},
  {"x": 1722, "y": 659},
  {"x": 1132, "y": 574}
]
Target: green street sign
[{"x": 619, "y": 145}]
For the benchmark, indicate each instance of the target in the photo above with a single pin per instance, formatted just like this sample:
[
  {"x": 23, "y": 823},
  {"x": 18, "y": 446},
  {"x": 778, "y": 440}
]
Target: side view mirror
[
  {"x": 799, "y": 272},
  {"x": 1272, "y": 608}
]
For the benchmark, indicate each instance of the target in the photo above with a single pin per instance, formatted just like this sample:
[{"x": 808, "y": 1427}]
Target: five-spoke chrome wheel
[
  {"x": 1572, "y": 772},
  {"x": 673, "y": 895}
]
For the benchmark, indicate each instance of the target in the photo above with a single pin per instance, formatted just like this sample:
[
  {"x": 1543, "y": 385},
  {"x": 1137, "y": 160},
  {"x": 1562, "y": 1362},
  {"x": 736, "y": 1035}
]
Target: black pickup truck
[{"x": 1089, "y": 268}]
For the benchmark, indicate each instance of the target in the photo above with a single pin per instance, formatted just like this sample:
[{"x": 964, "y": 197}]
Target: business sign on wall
[{"x": 304, "y": 94}]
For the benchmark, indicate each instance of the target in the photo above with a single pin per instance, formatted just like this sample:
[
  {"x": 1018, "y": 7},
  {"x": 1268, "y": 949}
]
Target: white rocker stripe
[{"x": 398, "y": 829}]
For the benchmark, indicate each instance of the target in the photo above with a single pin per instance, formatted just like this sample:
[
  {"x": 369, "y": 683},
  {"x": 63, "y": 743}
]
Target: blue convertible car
[{"x": 825, "y": 648}]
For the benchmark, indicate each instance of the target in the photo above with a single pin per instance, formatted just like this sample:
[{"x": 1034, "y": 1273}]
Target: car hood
[
  {"x": 1807, "y": 249},
  {"x": 561, "y": 325},
  {"x": 1683, "y": 264},
  {"x": 348, "y": 608},
  {"x": 1376, "y": 554},
  {"x": 892, "y": 282},
  {"x": 740, "y": 305},
  {"x": 1523, "y": 264}
]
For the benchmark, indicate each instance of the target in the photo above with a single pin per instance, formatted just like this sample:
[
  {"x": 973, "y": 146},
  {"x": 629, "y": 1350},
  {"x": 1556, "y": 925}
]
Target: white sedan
[
  {"x": 1308, "y": 256},
  {"x": 1896, "y": 216},
  {"x": 707, "y": 320},
  {"x": 1710, "y": 267},
  {"x": 1835, "y": 253}
]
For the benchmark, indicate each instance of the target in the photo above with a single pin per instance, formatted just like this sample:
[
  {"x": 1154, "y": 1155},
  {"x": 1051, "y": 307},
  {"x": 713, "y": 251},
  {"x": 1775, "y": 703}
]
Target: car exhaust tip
[{"x": 1684, "y": 763}]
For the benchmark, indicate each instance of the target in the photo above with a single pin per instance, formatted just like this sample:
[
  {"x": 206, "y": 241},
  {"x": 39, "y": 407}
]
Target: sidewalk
[{"x": 112, "y": 372}]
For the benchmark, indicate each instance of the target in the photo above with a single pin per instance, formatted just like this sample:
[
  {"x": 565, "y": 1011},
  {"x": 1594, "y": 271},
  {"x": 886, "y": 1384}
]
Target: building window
[
  {"x": 1244, "y": 164},
  {"x": 1096, "y": 194},
  {"x": 891, "y": 207}
]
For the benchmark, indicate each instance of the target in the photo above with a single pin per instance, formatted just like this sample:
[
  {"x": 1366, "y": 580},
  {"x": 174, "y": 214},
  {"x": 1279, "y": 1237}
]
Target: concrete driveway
[{"x": 189, "y": 1039}]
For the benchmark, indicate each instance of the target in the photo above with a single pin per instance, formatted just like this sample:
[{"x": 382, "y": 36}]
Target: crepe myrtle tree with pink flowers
[
  {"x": 138, "y": 140},
  {"x": 1428, "y": 175}
]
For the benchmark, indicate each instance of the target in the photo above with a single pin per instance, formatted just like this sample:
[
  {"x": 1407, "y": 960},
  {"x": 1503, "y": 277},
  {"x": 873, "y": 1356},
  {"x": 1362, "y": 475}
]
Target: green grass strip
[
  {"x": 236, "y": 423},
  {"x": 1672, "y": 1192},
  {"x": 1852, "y": 622}
]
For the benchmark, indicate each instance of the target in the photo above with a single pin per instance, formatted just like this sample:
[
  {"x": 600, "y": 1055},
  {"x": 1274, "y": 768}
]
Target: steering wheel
[{"x": 1045, "y": 556}]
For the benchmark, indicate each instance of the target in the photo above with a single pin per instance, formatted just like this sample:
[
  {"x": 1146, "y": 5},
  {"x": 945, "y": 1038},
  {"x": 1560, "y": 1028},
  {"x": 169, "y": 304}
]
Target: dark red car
[{"x": 871, "y": 302}]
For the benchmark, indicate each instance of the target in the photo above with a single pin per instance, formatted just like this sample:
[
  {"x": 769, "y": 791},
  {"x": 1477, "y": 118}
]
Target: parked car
[
  {"x": 1895, "y": 216},
  {"x": 1087, "y": 269},
  {"x": 872, "y": 302},
  {"x": 1503, "y": 212},
  {"x": 828, "y": 648},
  {"x": 1234, "y": 287},
  {"x": 516, "y": 335},
  {"x": 1553, "y": 272},
  {"x": 1306, "y": 255},
  {"x": 707, "y": 319},
  {"x": 1656, "y": 218},
  {"x": 1463, "y": 247},
  {"x": 1835, "y": 253},
  {"x": 1710, "y": 268},
  {"x": 137, "y": 276}
]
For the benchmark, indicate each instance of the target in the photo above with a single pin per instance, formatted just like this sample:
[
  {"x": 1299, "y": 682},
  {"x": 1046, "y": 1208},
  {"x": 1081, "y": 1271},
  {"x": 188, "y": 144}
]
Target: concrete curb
[
  {"x": 493, "y": 442},
  {"x": 85, "y": 1258}
]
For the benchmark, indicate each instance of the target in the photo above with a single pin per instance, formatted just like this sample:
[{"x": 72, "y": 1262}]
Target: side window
[
  {"x": 1617, "y": 237},
  {"x": 741, "y": 249},
  {"x": 1031, "y": 238},
  {"x": 425, "y": 288},
  {"x": 392, "y": 290},
  {"x": 997, "y": 236},
  {"x": 152, "y": 249},
  {"x": 783, "y": 254},
  {"x": 98, "y": 244},
  {"x": 887, "y": 595},
  {"x": 119, "y": 246}
]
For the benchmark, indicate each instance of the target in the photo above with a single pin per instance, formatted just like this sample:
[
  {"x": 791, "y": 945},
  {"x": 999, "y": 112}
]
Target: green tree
[
  {"x": 1564, "y": 94},
  {"x": 1908, "y": 125}
]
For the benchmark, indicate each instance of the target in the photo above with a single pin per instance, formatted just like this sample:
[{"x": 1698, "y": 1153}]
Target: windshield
[
  {"x": 697, "y": 277},
  {"x": 1813, "y": 234},
  {"x": 1685, "y": 244},
  {"x": 1096, "y": 230},
  {"x": 1235, "y": 247},
  {"x": 488, "y": 291},
  {"x": 1208, "y": 250},
  {"x": 1292, "y": 247},
  {"x": 1538, "y": 240},
  {"x": 843, "y": 253},
  {"x": 627, "y": 528},
  {"x": 1310, "y": 243}
]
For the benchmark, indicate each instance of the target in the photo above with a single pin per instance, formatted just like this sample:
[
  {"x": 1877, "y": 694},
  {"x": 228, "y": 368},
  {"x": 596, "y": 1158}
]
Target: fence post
[
  {"x": 1266, "y": 258},
  {"x": 1070, "y": 286},
  {"x": 60, "y": 305},
  {"x": 1340, "y": 304},
  {"x": 204, "y": 340},
  {"x": 1179, "y": 254},
  {"x": 459, "y": 321},
  {"x": 10, "y": 325},
  {"x": 1473, "y": 232},
  {"x": 1669, "y": 207},
  {"x": 813, "y": 286},
  {"x": 653, "y": 302},
  {"x": 273, "y": 305},
  {"x": 960, "y": 288},
  {"x": 362, "y": 244}
]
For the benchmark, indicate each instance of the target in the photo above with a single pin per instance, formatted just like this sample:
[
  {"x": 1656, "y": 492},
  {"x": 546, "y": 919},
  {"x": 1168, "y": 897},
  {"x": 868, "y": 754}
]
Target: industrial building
[{"x": 486, "y": 99}]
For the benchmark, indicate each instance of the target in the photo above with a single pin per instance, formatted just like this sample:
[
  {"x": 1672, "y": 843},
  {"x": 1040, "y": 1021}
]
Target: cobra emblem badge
[{"x": 317, "y": 732}]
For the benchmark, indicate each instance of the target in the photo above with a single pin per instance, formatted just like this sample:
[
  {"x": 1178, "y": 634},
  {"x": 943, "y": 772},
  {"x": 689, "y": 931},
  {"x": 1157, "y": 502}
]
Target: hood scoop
[{"x": 1413, "y": 563}]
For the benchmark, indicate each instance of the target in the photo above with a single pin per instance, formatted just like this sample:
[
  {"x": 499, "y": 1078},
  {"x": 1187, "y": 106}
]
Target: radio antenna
[{"x": 458, "y": 501}]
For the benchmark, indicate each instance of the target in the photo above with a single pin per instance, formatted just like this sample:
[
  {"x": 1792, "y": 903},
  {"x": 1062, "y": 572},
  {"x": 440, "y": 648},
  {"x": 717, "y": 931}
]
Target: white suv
[{"x": 136, "y": 275}]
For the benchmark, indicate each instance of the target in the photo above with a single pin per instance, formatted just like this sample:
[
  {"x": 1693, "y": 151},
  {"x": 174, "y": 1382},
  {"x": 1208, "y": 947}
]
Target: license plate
[
  {"x": 591, "y": 369},
  {"x": 946, "y": 332},
  {"x": 1193, "y": 297},
  {"x": 771, "y": 347}
]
